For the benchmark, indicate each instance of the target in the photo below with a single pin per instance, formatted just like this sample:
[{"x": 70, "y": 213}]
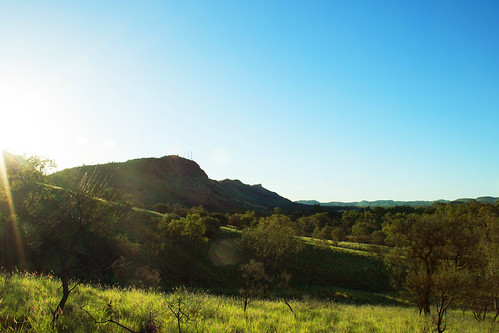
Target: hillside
[{"x": 176, "y": 180}]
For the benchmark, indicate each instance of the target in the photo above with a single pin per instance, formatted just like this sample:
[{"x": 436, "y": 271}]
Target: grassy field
[{"x": 26, "y": 302}]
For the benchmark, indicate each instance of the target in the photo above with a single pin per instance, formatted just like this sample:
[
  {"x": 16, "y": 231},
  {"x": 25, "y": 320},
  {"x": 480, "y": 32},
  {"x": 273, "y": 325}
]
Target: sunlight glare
[
  {"x": 6, "y": 186},
  {"x": 12, "y": 213},
  {"x": 29, "y": 119}
]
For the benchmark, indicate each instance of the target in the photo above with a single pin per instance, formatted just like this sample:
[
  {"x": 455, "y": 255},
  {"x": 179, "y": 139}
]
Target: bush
[
  {"x": 162, "y": 208},
  {"x": 338, "y": 235},
  {"x": 212, "y": 226}
]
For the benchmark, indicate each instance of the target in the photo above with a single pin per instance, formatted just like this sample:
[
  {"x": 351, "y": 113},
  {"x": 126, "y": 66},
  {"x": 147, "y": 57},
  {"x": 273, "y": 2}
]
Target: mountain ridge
[
  {"x": 175, "y": 180},
  {"x": 394, "y": 203}
]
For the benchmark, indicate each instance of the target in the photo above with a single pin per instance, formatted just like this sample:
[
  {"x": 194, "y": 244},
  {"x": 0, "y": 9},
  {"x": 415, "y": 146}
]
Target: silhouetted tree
[
  {"x": 70, "y": 240},
  {"x": 22, "y": 189}
]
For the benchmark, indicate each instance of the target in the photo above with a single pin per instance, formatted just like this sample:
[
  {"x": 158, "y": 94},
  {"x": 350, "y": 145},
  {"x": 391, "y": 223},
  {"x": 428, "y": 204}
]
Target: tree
[
  {"x": 324, "y": 233},
  {"x": 448, "y": 284},
  {"x": 437, "y": 255},
  {"x": 255, "y": 281},
  {"x": 338, "y": 235},
  {"x": 21, "y": 190},
  {"x": 272, "y": 243},
  {"x": 419, "y": 242},
  {"x": 212, "y": 225},
  {"x": 162, "y": 208},
  {"x": 305, "y": 226},
  {"x": 483, "y": 289},
  {"x": 132, "y": 200},
  {"x": 313, "y": 225},
  {"x": 378, "y": 237},
  {"x": 222, "y": 218},
  {"x": 190, "y": 307},
  {"x": 321, "y": 220},
  {"x": 348, "y": 219},
  {"x": 241, "y": 221},
  {"x": 186, "y": 232},
  {"x": 184, "y": 242},
  {"x": 69, "y": 238},
  {"x": 365, "y": 225},
  {"x": 111, "y": 194}
]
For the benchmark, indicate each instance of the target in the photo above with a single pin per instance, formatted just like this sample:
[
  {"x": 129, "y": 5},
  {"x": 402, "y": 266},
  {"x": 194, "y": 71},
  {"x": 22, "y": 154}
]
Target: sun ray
[
  {"x": 6, "y": 185},
  {"x": 12, "y": 213}
]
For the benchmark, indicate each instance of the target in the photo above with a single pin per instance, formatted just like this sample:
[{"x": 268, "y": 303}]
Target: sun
[{"x": 28, "y": 115}]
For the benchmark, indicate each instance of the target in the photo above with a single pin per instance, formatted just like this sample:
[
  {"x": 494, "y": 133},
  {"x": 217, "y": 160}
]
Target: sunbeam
[
  {"x": 6, "y": 185},
  {"x": 12, "y": 218}
]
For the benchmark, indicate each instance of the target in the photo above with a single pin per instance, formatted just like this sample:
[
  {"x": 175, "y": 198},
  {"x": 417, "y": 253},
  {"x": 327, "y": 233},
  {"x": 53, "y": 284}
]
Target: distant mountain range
[
  {"x": 176, "y": 180},
  {"x": 392, "y": 203}
]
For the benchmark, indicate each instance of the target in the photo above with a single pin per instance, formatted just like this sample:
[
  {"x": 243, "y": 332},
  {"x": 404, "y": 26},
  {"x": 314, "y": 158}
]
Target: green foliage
[
  {"x": 212, "y": 225},
  {"x": 314, "y": 224},
  {"x": 162, "y": 208},
  {"x": 378, "y": 237},
  {"x": 349, "y": 218},
  {"x": 188, "y": 231},
  {"x": 243, "y": 220},
  {"x": 132, "y": 200},
  {"x": 324, "y": 233},
  {"x": 338, "y": 235},
  {"x": 271, "y": 244},
  {"x": 448, "y": 283},
  {"x": 222, "y": 218},
  {"x": 442, "y": 256},
  {"x": 111, "y": 194}
]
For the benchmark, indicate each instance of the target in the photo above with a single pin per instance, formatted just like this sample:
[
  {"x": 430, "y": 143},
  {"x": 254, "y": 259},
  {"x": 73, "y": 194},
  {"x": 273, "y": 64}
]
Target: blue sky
[{"x": 325, "y": 100}]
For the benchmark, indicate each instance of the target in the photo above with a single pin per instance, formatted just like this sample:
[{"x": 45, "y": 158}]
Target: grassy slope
[
  {"x": 325, "y": 271},
  {"x": 25, "y": 301},
  {"x": 348, "y": 265}
]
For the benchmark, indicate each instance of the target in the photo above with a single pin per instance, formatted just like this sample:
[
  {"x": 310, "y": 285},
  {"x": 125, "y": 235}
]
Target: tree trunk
[
  {"x": 427, "y": 290},
  {"x": 65, "y": 295},
  {"x": 289, "y": 306},
  {"x": 426, "y": 302},
  {"x": 496, "y": 307}
]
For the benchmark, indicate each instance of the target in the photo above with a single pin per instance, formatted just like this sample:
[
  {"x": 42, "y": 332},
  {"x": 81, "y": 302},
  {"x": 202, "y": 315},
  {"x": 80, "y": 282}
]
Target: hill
[
  {"x": 392, "y": 203},
  {"x": 176, "y": 180}
]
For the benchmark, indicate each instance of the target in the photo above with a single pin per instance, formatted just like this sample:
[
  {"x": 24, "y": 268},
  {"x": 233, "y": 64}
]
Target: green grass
[
  {"x": 347, "y": 247},
  {"x": 25, "y": 302}
]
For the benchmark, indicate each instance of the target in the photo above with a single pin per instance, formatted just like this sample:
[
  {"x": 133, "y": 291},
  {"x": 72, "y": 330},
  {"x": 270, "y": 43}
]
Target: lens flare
[{"x": 225, "y": 252}]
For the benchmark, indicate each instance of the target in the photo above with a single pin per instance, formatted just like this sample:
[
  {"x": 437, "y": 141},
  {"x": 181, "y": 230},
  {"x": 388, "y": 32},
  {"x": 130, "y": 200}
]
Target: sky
[{"x": 324, "y": 100}]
